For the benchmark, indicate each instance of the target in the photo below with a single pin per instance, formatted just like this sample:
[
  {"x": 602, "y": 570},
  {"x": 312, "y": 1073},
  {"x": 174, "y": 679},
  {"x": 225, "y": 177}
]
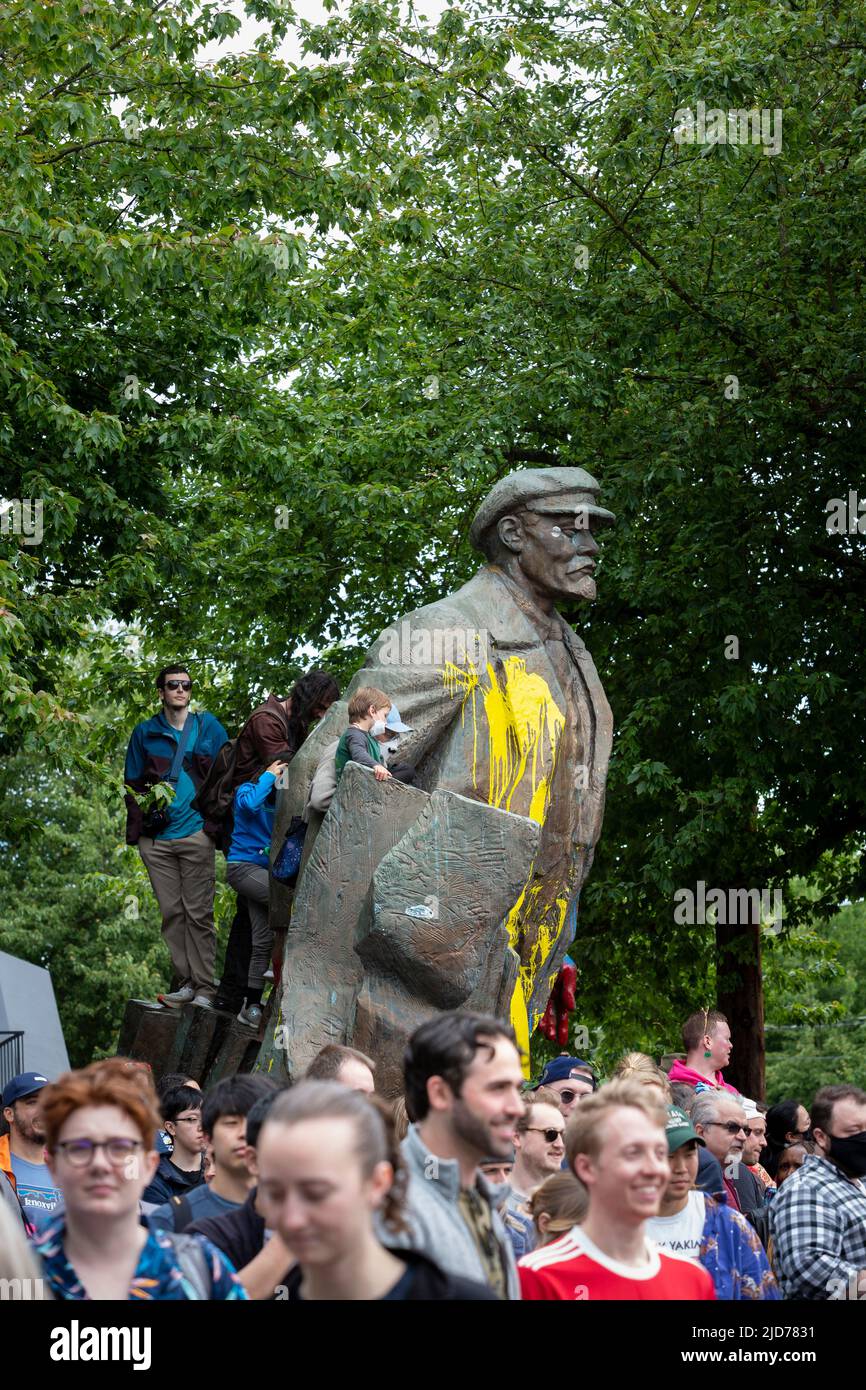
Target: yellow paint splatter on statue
[
  {"x": 518, "y": 713},
  {"x": 464, "y": 678},
  {"x": 520, "y": 1024}
]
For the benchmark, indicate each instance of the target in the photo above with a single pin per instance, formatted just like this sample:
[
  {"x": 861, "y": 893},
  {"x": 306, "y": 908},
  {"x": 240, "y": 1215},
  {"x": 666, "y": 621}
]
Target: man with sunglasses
[
  {"x": 539, "y": 1150},
  {"x": 571, "y": 1078},
  {"x": 177, "y": 747},
  {"x": 720, "y": 1120}
]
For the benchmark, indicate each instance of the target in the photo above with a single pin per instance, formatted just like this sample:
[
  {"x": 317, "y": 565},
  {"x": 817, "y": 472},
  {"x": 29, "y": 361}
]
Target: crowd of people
[{"x": 474, "y": 1184}]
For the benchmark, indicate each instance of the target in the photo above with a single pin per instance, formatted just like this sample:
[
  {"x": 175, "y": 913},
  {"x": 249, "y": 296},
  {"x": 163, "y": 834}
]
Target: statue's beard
[{"x": 585, "y": 588}]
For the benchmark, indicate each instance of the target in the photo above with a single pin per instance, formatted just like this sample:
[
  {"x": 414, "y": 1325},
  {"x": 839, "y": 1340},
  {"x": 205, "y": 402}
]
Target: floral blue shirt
[
  {"x": 158, "y": 1276},
  {"x": 732, "y": 1253}
]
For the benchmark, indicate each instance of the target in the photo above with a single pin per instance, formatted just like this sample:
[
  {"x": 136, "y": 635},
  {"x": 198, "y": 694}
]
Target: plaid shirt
[{"x": 818, "y": 1225}]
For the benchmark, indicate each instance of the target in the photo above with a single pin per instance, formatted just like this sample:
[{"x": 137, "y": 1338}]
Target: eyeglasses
[
  {"x": 178, "y": 685},
  {"x": 189, "y": 1119},
  {"x": 568, "y": 1096},
  {"x": 79, "y": 1152},
  {"x": 730, "y": 1125},
  {"x": 550, "y": 1135}
]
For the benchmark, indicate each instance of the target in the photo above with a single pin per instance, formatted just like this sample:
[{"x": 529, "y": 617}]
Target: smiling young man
[
  {"x": 463, "y": 1088},
  {"x": 616, "y": 1144}
]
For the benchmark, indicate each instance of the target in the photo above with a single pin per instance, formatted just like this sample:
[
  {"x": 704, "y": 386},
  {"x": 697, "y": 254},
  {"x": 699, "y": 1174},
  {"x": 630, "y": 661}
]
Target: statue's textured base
[{"x": 367, "y": 941}]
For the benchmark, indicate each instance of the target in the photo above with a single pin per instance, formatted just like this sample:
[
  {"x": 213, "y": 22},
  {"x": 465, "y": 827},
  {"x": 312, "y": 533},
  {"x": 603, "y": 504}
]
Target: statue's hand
[{"x": 554, "y": 1024}]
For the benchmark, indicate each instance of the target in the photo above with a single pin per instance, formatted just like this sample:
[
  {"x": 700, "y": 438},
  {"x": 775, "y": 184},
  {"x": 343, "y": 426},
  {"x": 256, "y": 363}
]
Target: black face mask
[{"x": 850, "y": 1153}]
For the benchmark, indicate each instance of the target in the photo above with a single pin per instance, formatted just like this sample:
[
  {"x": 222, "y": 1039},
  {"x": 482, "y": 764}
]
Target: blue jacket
[
  {"x": 148, "y": 760},
  {"x": 255, "y": 807}
]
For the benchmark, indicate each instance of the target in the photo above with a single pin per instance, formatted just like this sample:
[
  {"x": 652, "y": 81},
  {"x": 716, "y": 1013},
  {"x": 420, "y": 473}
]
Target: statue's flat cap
[{"x": 548, "y": 490}]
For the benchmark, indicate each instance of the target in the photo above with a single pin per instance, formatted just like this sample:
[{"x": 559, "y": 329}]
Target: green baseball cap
[{"x": 679, "y": 1129}]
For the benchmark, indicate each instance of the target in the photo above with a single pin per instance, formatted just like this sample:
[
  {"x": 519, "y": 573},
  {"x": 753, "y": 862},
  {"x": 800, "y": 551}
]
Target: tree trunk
[{"x": 740, "y": 997}]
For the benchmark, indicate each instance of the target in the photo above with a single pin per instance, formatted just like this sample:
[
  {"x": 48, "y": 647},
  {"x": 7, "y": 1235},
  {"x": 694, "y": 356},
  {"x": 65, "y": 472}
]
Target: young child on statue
[
  {"x": 364, "y": 740},
  {"x": 368, "y": 709}
]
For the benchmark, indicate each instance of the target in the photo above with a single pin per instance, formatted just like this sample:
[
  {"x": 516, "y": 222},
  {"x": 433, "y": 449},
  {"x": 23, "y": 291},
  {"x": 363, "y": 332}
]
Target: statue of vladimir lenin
[{"x": 460, "y": 891}]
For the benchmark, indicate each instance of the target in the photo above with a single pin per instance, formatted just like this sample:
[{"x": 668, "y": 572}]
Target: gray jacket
[{"x": 437, "y": 1227}]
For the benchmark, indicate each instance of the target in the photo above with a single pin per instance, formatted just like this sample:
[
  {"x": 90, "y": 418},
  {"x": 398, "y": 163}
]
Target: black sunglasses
[
  {"x": 178, "y": 685},
  {"x": 568, "y": 1096},
  {"x": 550, "y": 1135}
]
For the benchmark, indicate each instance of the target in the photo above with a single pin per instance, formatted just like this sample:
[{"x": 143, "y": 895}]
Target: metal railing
[{"x": 11, "y": 1055}]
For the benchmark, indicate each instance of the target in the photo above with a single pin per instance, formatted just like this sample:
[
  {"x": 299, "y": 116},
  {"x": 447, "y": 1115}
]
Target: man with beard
[
  {"x": 22, "y": 1151},
  {"x": 721, "y": 1122},
  {"x": 818, "y": 1218},
  {"x": 539, "y": 1143},
  {"x": 463, "y": 1091}
]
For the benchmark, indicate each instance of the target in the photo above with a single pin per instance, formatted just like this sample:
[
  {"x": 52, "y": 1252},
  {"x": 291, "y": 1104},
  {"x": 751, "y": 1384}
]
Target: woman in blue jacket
[{"x": 249, "y": 874}]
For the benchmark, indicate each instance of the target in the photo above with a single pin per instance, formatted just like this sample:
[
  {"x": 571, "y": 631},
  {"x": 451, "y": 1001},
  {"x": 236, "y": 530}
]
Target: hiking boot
[
  {"x": 182, "y": 996},
  {"x": 251, "y": 1016}
]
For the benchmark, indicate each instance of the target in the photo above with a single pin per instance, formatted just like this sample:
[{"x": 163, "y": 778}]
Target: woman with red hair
[{"x": 100, "y": 1126}]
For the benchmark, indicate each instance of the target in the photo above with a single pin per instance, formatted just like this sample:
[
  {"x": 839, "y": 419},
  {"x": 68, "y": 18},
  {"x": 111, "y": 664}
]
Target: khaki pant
[{"x": 182, "y": 874}]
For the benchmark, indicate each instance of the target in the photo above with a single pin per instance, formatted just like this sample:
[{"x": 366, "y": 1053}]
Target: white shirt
[{"x": 680, "y": 1235}]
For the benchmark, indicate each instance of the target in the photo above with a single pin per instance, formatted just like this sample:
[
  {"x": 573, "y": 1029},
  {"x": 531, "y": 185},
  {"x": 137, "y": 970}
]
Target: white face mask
[{"x": 378, "y": 727}]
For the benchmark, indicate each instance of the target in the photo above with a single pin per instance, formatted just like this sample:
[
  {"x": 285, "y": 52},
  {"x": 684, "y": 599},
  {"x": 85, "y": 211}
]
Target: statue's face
[{"x": 555, "y": 553}]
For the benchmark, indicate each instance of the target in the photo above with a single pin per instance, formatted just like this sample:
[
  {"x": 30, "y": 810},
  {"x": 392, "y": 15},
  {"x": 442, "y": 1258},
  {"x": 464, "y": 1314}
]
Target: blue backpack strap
[{"x": 177, "y": 761}]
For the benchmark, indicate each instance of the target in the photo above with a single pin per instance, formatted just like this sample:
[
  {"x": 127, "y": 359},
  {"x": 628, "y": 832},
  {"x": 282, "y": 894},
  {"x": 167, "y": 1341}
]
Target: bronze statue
[{"x": 460, "y": 891}]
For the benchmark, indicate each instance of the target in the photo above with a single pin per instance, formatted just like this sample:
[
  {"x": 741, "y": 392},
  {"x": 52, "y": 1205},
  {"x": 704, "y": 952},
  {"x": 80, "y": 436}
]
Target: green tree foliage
[
  {"x": 354, "y": 292},
  {"x": 78, "y": 902},
  {"x": 816, "y": 991}
]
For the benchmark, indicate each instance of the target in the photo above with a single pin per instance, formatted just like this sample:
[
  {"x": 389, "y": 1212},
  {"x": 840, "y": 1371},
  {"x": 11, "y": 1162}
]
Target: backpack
[
  {"x": 183, "y": 1214},
  {"x": 215, "y": 796},
  {"x": 193, "y": 1263},
  {"x": 214, "y": 799}
]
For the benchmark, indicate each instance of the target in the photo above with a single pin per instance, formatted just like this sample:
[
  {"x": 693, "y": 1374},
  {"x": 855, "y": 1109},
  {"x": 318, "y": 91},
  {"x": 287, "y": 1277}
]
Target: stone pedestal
[
  {"x": 206, "y": 1044},
  {"x": 149, "y": 1035}
]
